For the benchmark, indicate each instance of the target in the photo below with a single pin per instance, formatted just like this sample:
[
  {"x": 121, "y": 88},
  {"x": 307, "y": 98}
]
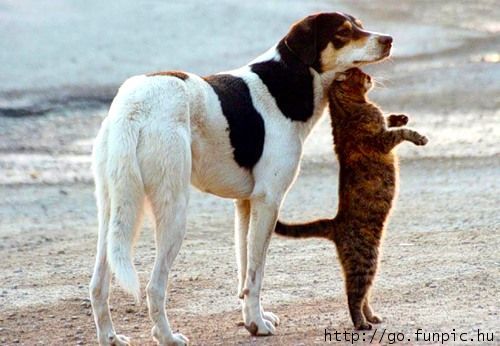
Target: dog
[{"x": 237, "y": 134}]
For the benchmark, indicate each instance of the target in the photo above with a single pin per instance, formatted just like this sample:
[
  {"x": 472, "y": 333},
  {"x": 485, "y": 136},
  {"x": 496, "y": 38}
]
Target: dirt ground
[{"x": 441, "y": 261}]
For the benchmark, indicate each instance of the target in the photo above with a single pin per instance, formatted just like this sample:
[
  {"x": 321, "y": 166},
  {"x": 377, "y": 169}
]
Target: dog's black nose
[{"x": 385, "y": 40}]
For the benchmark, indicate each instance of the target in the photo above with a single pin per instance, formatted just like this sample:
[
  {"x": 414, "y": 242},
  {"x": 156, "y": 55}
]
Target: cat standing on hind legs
[{"x": 367, "y": 187}]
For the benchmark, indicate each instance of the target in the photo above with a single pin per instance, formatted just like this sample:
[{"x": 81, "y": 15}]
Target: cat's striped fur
[{"x": 367, "y": 187}]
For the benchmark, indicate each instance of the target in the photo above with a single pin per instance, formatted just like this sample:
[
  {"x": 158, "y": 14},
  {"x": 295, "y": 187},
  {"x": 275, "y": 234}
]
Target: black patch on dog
[
  {"x": 290, "y": 83},
  {"x": 246, "y": 126},
  {"x": 177, "y": 74}
]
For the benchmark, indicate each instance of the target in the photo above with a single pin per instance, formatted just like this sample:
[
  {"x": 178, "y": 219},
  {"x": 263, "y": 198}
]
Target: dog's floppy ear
[{"x": 301, "y": 39}]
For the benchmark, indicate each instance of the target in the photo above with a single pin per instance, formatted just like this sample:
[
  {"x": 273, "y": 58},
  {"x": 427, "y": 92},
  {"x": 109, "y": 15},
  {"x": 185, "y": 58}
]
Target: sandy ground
[{"x": 441, "y": 262}]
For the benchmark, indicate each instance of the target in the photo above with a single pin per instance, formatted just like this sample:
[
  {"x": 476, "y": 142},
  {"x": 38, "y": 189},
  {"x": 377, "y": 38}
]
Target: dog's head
[{"x": 336, "y": 42}]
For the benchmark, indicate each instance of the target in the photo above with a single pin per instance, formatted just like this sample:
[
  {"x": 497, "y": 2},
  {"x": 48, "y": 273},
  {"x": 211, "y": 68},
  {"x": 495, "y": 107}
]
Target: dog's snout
[{"x": 386, "y": 40}]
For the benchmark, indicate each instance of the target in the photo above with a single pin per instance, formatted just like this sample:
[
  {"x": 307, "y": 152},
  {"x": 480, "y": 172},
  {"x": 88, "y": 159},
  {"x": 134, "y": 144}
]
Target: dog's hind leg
[
  {"x": 101, "y": 279},
  {"x": 170, "y": 230},
  {"x": 166, "y": 172}
]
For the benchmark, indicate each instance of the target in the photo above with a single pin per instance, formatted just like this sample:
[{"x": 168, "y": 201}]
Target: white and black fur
[{"x": 237, "y": 134}]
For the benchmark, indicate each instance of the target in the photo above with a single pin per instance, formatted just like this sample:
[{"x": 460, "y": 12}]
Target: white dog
[{"x": 237, "y": 134}]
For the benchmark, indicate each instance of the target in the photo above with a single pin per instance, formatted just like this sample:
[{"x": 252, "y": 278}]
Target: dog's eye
[{"x": 344, "y": 32}]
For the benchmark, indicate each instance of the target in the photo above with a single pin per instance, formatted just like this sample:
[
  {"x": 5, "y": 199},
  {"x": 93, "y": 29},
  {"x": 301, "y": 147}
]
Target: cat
[{"x": 367, "y": 187}]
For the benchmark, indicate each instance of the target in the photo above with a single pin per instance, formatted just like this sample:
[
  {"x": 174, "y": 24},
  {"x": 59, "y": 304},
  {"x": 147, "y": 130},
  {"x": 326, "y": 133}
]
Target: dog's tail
[
  {"x": 323, "y": 228},
  {"x": 126, "y": 193}
]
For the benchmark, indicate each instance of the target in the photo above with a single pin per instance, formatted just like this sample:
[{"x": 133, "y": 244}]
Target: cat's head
[{"x": 353, "y": 82}]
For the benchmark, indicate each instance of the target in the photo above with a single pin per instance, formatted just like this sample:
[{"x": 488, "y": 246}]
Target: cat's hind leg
[
  {"x": 368, "y": 311},
  {"x": 359, "y": 259}
]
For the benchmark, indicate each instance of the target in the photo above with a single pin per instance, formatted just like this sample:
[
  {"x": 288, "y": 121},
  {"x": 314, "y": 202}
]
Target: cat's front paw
[
  {"x": 421, "y": 140},
  {"x": 397, "y": 120}
]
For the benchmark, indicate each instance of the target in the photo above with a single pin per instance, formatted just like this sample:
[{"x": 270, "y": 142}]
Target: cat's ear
[{"x": 340, "y": 77}]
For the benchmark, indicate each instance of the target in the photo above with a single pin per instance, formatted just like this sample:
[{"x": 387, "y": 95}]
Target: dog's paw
[
  {"x": 117, "y": 340},
  {"x": 261, "y": 327},
  {"x": 176, "y": 339},
  {"x": 275, "y": 320},
  {"x": 179, "y": 340}
]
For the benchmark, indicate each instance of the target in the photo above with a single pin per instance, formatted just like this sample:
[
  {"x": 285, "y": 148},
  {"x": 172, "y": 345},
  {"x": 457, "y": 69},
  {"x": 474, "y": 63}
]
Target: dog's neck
[
  {"x": 288, "y": 64},
  {"x": 283, "y": 52},
  {"x": 268, "y": 55}
]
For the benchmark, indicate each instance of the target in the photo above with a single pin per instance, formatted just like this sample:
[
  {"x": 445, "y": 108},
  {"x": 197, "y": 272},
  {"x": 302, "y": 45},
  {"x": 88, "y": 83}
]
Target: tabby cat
[{"x": 367, "y": 186}]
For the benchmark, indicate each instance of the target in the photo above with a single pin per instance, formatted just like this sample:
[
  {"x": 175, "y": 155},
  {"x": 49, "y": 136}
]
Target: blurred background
[{"x": 61, "y": 63}]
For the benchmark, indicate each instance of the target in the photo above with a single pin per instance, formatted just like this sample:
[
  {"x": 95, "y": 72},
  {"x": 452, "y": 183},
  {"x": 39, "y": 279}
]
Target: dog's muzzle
[{"x": 386, "y": 42}]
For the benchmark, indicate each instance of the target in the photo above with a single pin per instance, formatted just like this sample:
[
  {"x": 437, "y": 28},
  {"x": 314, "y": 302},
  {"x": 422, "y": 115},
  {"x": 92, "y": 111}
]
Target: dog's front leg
[
  {"x": 263, "y": 218},
  {"x": 241, "y": 224}
]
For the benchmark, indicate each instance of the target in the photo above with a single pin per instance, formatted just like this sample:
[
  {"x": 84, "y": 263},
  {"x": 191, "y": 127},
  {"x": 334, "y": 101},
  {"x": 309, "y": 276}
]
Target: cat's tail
[{"x": 323, "y": 228}]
